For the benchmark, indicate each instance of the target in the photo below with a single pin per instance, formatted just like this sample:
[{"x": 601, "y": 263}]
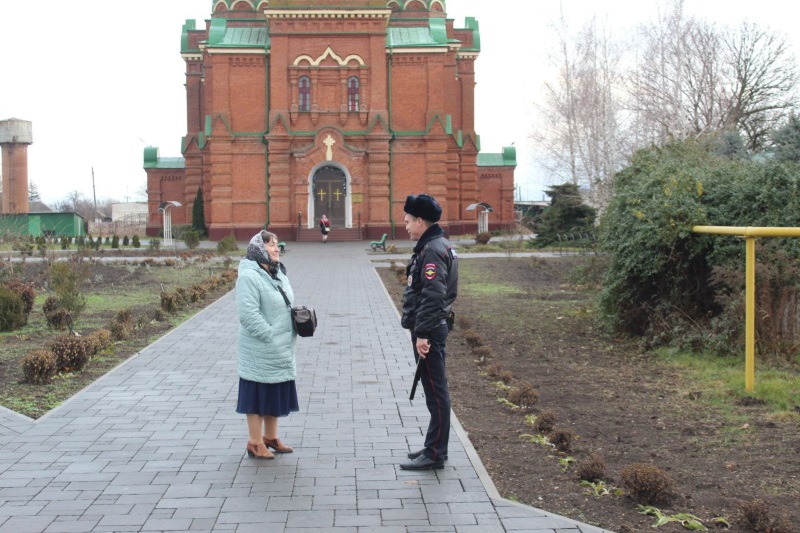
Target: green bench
[{"x": 379, "y": 244}]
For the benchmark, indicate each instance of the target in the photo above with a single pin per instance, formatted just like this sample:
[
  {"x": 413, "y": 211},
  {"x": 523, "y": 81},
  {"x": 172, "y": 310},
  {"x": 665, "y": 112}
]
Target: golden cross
[
  {"x": 321, "y": 195},
  {"x": 338, "y": 194},
  {"x": 329, "y": 142}
]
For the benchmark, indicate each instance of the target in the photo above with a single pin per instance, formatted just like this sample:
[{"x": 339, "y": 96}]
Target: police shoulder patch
[{"x": 430, "y": 271}]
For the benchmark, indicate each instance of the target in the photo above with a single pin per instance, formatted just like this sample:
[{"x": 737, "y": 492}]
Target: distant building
[
  {"x": 298, "y": 108},
  {"x": 129, "y": 212},
  {"x": 46, "y": 224},
  {"x": 37, "y": 206}
]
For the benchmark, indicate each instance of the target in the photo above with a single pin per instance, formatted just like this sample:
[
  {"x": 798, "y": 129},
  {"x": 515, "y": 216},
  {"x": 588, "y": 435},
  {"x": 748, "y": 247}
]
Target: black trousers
[{"x": 433, "y": 377}]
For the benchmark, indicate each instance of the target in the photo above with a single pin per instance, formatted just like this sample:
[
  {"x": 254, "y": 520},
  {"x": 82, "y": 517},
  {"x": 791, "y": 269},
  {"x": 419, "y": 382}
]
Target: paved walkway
[{"x": 156, "y": 445}]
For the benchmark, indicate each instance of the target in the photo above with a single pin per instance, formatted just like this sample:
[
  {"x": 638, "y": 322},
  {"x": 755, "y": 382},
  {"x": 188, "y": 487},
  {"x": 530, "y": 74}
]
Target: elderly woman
[{"x": 267, "y": 366}]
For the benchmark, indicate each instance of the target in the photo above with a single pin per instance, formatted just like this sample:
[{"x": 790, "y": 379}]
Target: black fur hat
[{"x": 424, "y": 207}]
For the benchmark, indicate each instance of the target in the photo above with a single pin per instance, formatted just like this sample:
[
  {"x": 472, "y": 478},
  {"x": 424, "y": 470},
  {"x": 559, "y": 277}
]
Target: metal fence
[{"x": 577, "y": 243}]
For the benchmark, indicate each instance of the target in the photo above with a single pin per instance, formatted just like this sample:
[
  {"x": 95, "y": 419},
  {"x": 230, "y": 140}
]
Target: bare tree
[
  {"x": 556, "y": 130},
  {"x": 763, "y": 82},
  {"x": 579, "y": 128},
  {"x": 694, "y": 79},
  {"x": 680, "y": 78},
  {"x": 75, "y": 202}
]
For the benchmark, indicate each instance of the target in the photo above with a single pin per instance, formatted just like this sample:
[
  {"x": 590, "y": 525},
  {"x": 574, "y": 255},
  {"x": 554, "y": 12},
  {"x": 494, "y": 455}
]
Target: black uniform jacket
[{"x": 432, "y": 283}]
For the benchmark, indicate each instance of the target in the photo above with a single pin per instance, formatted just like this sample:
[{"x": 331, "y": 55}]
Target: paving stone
[{"x": 156, "y": 445}]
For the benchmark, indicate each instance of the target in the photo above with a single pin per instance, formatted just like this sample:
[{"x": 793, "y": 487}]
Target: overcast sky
[{"x": 100, "y": 84}]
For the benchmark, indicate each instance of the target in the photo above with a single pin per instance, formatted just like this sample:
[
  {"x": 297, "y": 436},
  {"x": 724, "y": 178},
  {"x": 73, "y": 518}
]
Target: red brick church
[{"x": 297, "y": 108}]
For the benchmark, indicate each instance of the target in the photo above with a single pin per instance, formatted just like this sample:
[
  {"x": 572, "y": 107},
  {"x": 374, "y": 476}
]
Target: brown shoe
[
  {"x": 254, "y": 450},
  {"x": 277, "y": 445}
]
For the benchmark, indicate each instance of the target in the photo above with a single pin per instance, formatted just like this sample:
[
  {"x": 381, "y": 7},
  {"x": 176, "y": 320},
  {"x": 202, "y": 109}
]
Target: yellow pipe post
[
  {"x": 750, "y": 316},
  {"x": 749, "y": 233}
]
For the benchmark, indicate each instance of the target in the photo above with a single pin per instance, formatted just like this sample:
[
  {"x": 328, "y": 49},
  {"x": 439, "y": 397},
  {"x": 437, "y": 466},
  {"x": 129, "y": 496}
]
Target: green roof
[
  {"x": 508, "y": 158},
  {"x": 152, "y": 160},
  {"x": 245, "y": 38},
  {"x": 434, "y": 34},
  {"x": 221, "y": 36}
]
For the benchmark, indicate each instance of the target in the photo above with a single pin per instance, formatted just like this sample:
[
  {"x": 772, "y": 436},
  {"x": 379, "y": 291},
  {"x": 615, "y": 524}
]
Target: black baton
[{"x": 417, "y": 375}]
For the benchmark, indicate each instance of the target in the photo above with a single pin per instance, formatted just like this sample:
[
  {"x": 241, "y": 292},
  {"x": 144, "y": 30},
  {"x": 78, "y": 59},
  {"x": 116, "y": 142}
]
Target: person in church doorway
[{"x": 324, "y": 227}]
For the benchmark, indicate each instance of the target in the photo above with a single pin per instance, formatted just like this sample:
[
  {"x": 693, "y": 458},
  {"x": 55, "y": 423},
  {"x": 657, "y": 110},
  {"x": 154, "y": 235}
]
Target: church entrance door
[{"x": 330, "y": 195}]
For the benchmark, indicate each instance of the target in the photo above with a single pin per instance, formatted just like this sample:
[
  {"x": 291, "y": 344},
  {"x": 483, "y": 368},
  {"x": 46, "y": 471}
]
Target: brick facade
[{"x": 299, "y": 107}]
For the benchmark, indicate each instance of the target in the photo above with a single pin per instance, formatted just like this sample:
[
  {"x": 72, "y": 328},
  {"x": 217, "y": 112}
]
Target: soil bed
[
  {"x": 628, "y": 406},
  {"x": 135, "y": 285}
]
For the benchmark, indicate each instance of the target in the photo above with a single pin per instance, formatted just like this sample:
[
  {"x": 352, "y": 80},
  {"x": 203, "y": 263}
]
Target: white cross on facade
[{"x": 329, "y": 142}]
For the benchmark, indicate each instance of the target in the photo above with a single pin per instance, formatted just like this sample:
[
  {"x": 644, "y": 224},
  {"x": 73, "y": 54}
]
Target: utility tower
[{"x": 15, "y": 136}]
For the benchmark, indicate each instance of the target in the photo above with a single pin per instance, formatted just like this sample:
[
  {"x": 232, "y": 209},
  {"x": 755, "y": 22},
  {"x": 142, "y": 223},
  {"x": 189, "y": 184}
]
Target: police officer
[{"x": 427, "y": 301}]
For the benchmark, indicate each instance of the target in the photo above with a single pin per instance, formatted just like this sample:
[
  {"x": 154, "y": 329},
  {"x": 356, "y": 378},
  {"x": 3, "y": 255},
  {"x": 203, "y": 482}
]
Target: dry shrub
[
  {"x": 197, "y": 293},
  {"x": 464, "y": 323},
  {"x": 100, "y": 339},
  {"x": 170, "y": 262},
  {"x": 647, "y": 484},
  {"x": 524, "y": 395},
  {"x": 493, "y": 370},
  {"x": 506, "y": 376},
  {"x": 72, "y": 353},
  {"x": 169, "y": 302},
  {"x": 593, "y": 468},
  {"x": 482, "y": 352},
  {"x": 483, "y": 237},
  {"x": 39, "y": 367},
  {"x": 562, "y": 439},
  {"x": 57, "y": 317},
  {"x": 473, "y": 338},
  {"x": 122, "y": 325},
  {"x": 545, "y": 422},
  {"x": 229, "y": 275},
  {"x": 782, "y": 525},
  {"x": 402, "y": 279},
  {"x": 755, "y": 516}
]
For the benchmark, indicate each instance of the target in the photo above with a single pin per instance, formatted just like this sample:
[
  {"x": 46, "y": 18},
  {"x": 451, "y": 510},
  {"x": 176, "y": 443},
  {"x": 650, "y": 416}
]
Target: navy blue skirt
[{"x": 267, "y": 399}]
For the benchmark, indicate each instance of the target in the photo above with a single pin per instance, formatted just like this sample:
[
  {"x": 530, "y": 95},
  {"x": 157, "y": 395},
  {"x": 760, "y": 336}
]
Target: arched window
[
  {"x": 304, "y": 90},
  {"x": 352, "y": 94}
]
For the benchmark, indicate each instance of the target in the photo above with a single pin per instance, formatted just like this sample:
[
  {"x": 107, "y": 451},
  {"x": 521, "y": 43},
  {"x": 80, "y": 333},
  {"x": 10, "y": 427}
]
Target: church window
[
  {"x": 304, "y": 90},
  {"x": 352, "y": 94}
]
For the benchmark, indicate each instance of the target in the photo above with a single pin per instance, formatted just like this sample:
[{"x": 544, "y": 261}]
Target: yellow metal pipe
[
  {"x": 748, "y": 231},
  {"x": 750, "y": 316}
]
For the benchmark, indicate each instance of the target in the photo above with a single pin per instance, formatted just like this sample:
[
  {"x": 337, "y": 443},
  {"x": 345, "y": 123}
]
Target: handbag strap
[{"x": 284, "y": 296}]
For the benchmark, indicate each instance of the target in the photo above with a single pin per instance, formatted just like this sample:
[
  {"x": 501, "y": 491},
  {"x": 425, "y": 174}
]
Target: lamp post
[
  {"x": 166, "y": 215},
  {"x": 483, "y": 215}
]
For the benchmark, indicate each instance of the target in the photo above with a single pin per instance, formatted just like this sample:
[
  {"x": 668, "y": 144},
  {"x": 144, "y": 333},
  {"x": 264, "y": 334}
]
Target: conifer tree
[{"x": 199, "y": 214}]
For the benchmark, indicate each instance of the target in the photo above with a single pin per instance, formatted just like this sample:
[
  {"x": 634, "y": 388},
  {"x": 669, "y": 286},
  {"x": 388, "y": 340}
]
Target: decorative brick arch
[
  {"x": 342, "y": 158},
  {"x": 414, "y": 5},
  {"x": 437, "y": 6},
  {"x": 328, "y": 53},
  {"x": 226, "y": 5}
]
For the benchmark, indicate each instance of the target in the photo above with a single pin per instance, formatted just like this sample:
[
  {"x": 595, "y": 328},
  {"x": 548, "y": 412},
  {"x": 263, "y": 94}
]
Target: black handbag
[{"x": 304, "y": 318}]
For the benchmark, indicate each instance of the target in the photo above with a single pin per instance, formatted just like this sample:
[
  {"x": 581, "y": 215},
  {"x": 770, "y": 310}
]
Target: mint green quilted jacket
[{"x": 266, "y": 336}]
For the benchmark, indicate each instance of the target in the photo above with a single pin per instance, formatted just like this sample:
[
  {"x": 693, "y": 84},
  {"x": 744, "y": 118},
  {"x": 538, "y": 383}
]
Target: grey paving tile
[{"x": 156, "y": 445}]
